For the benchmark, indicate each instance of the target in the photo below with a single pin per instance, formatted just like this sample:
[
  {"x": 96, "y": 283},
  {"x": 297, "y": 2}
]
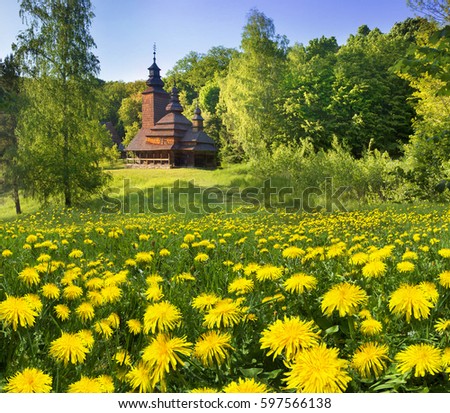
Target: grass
[
  {"x": 130, "y": 181},
  {"x": 151, "y": 191}
]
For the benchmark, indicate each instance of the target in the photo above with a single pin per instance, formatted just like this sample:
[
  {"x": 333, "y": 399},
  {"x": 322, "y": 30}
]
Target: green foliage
[
  {"x": 10, "y": 103},
  {"x": 426, "y": 69},
  {"x": 308, "y": 91},
  {"x": 252, "y": 87},
  {"x": 369, "y": 103},
  {"x": 130, "y": 113},
  {"x": 61, "y": 139},
  {"x": 372, "y": 178}
]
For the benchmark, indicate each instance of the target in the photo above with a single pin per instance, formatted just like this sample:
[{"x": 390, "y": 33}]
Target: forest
[{"x": 372, "y": 113}]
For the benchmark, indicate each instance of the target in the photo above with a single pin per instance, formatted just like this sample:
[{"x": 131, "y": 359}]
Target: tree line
[{"x": 385, "y": 92}]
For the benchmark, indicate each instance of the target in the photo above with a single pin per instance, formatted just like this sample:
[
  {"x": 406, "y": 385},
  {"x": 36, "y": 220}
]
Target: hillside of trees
[{"x": 377, "y": 106}]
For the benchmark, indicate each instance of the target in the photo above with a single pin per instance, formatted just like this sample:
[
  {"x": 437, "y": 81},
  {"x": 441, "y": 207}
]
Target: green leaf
[
  {"x": 332, "y": 330},
  {"x": 251, "y": 373},
  {"x": 272, "y": 374}
]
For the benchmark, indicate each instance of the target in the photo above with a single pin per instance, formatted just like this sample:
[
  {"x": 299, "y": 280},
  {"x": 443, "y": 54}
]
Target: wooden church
[{"x": 167, "y": 139}]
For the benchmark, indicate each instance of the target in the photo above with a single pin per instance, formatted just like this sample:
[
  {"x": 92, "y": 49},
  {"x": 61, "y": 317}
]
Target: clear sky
[{"x": 125, "y": 30}]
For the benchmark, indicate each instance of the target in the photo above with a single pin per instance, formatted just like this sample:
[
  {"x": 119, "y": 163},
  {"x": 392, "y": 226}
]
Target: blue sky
[{"x": 125, "y": 30}]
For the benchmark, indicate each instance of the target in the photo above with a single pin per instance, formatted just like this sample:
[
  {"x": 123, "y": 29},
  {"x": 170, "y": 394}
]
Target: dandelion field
[{"x": 343, "y": 302}]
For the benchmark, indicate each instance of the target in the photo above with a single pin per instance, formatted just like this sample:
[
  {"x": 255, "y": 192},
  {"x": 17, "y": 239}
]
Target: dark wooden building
[{"x": 167, "y": 139}]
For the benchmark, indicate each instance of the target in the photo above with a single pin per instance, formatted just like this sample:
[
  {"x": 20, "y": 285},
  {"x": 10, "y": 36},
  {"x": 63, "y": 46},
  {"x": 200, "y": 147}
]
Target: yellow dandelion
[
  {"x": 85, "y": 385},
  {"x": 444, "y": 252},
  {"x": 122, "y": 358},
  {"x": 134, "y": 326},
  {"x": 201, "y": 257},
  {"x": 237, "y": 267},
  {"x": 336, "y": 250},
  {"x": 185, "y": 276},
  {"x": 95, "y": 283},
  {"x": 225, "y": 313},
  {"x": 205, "y": 301},
  {"x": 289, "y": 337},
  {"x": 144, "y": 258},
  {"x": 382, "y": 253},
  {"x": 444, "y": 279},
  {"x": 213, "y": 347},
  {"x": 188, "y": 238},
  {"x": 410, "y": 255},
  {"x": 442, "y": 325},
  {"x": 95, "y": 298},
  {"x": 410, "y": 300},
  {"x": 130, "y": 262},
  {"x": 344, "y": 298},
  {"x": 269, "y": 272},
  {"x": 423, "y": 358},
  {"x": 374, "y": 269},
  {"x": 76, "y": 254},
  {"x": 371, "y": 327},
  {"x": 111, "y": 293},
  {"x": 17, "y": 311},
  {"x": 359, "y": 258},
  {"x": 430, "y": 290},
  {"x": 164, "y": 252},
  {"x": 87, "y": 338},
  {"x": 293, "y": 252},
  {"x": 299, "y": 283},
  {"x": 240, "y": 286},
  {"x": 154, "y": 279},
  {"x": 29, "y": 276},
  {"x": 365, "y": 314},
  {"x": 72, "y": 292},
  {"x": 318, "y": 370},
  {"x": 29, "y": 380},
  {"x": 62, "y": 311},
  {"x": 154, "y": 293},
  {"x": 50, "y": 291},
  {"x": 43, "y": 258},
  {"x": 162, "y": 316},
  {"x": 163, "y": 354},
  {"x": 245, "y": 386},
  {"x": 251, "y": 268},
  {"x": 7, "y": 253},
  {"x": 113, "y": 320},
  {"x": 68, "y": 348},
  {"x": 370, "y": 359},
  {"x": 85, "y": 311},
  {"x": 31, "y": 239},
  {"x": 34, "y": 301},
  {"x": 103, "y": 328},
  {"x": 139, "y": 378},
  {"x": 106, "y": 383}
]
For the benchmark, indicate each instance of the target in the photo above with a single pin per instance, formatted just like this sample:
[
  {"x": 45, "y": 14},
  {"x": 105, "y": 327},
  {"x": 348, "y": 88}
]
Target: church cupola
[
  {"x": 174, "y": 103},
  {"x": 154, "y": 78},
  {"x": 197, "y": 120}
]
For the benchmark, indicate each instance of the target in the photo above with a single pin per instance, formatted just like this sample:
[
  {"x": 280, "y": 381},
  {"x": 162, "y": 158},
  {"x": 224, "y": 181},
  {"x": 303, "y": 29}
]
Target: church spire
[{"x": 154, "y": 78}]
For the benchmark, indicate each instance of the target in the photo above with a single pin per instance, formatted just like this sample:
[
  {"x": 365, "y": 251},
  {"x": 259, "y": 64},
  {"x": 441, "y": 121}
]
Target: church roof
[{"x": 139, "y": 142}]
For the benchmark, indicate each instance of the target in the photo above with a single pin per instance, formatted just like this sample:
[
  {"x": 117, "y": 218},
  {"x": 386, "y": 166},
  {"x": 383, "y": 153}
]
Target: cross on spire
[{"x": 154, "y": 52}]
